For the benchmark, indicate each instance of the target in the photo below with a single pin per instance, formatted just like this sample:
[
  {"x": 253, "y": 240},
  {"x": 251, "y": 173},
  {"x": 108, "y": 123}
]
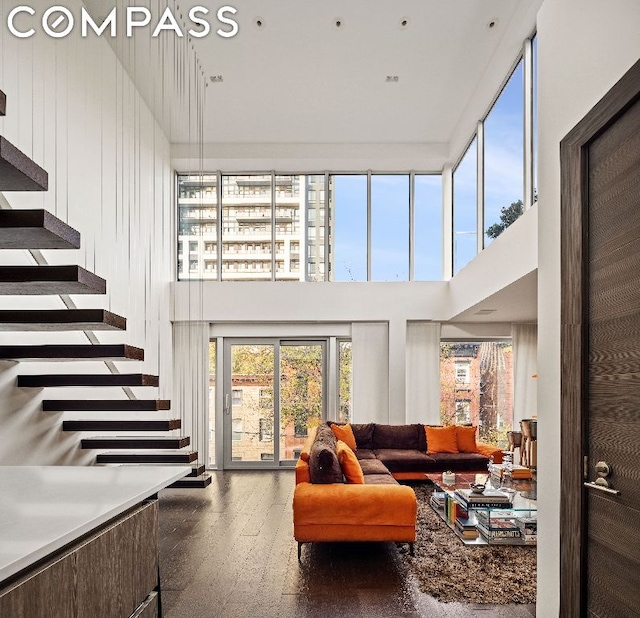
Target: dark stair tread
[
  {"x": 3, "y": 104},
  {"x": 60, "y": 320},
  {"x": 32, "y": 280},
  {"x": 88, "y": 379},
  {"x": 188, "y": 482},
  {"x": 105, "y": 405},
  {"x": 35, "y": 229},
  {"x": 196, "y": 471},
  {"x": 18, "y": 172},
  {"x": 157, "y": 457},
  {"x": 168, "y": 424},
  {"x": 135, "y": 442},
  {"x": 66, "y": 352}
]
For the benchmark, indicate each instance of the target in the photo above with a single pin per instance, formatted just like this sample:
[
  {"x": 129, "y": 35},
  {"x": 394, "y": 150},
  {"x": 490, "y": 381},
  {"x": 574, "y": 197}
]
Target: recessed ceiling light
[
  {"x": 403, "y": 23},
  {"x": 392, "y": 78},
  {"x": 338, "y": 23},
  {"x": 492, "y": 24},
  {"x": 258, "y": 22}
]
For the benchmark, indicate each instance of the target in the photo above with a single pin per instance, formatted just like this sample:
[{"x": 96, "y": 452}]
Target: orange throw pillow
[
  {"x": 466, "y": 437},
  {"x": 441, "y": 439},
  {"x": 345, "y": 433},
  {"x": 349, "y": 463}
]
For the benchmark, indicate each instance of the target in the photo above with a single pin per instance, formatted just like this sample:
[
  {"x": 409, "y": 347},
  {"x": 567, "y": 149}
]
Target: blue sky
[{"x": 389, "y": 227}]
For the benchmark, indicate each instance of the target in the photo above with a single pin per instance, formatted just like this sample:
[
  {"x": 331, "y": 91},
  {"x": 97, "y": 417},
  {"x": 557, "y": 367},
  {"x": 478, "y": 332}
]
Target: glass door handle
[{"x": 227, "y": 404}]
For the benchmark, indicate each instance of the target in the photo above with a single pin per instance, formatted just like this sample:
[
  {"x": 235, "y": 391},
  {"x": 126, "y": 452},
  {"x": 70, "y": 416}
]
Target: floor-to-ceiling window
[
  {"x": 274, "y": 391},
  {"x": 476, "y": 387}
]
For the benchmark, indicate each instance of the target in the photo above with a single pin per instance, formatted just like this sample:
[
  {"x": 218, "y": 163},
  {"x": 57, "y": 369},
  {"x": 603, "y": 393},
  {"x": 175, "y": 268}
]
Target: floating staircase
[
  {"x": 39, "y": 229},
  {"x": 87, "y": 379},
  {"x": 24, "y": 280},
  {"x": 38, "y": 353}
]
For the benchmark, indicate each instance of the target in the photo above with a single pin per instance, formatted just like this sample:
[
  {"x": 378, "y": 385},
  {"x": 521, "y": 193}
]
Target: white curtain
[
  {"x": 191, "y": 381},
  {"x": 525, "y": 366},
  {"x": 423, "y": 372},
  {"x": 370, "y": 367}
]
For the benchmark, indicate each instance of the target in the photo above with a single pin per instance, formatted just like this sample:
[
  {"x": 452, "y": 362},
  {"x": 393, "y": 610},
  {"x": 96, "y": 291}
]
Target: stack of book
[
  {"x": 501, "y": 529},
  {"x": 466, "y": 528},
  {"x": 517, "y": 472},
  {"x": 438, "y": 499},
  {"x": 489, "y": 499},
  {"x": 528, "y": 528}
]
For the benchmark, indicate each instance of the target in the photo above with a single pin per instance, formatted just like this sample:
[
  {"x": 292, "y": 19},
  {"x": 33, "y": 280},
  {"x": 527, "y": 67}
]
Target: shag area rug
[{"x": 450, "y": 571}]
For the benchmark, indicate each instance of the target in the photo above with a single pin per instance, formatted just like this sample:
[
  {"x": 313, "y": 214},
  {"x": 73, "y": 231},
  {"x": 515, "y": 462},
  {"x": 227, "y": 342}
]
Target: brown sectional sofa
[
  {"x": 402, "y": 449},
  {"x": 381, "y": 509}
]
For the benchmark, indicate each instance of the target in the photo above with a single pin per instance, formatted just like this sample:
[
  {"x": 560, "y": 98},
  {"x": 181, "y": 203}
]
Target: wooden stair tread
[
  {"x": 188, "y": 482},
  {"x": 168, "y": 424},
  {"x": 105, "y": 405},
  {"x": 137, "y": 442},
  {"x": 196, "y": 471},
  {"x": 18, "y": 172},
  {"x": 33, "y": 280},
  {"x": 3, "y": 104},
  {"x": 66, "y": 352},
  {"x": 87, "y": 379},
  {"x": 35, "y": 229},
  {"x": 152, "y": 457},
  {"x": 60, "y": 320}
]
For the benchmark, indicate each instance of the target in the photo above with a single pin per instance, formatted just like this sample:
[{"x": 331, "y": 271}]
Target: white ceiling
[{"x": 301, "y": 79}]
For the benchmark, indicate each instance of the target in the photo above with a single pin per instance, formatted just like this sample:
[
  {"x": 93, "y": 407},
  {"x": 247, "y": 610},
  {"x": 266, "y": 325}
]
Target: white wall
[
  {"x": 73, "y": 109},
  {"x": 584, "y": 46}
]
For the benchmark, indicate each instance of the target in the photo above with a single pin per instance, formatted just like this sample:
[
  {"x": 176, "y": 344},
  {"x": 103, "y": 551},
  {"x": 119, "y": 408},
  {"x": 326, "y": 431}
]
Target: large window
[
  {"x": 310, "y": 227},
  {"x": 465, "y": 208},
  {"x": 348, "y": 204},
  {"x": 197, "y": 227},
  {"x": 476, "y": 385},
  {"x": 504, "y": 158},
  {"x": 389, "y": 227},
  {"x": 427, "y": 227}
]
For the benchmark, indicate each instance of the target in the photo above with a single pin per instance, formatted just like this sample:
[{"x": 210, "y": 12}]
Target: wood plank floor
[{"x": 228, "y": 551}]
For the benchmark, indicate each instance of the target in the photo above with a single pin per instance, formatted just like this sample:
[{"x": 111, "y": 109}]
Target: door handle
[
  {"x": 227, "y": 404},
  {"x": 602, "y": 486},
  {"x": 603, "y": 470}
]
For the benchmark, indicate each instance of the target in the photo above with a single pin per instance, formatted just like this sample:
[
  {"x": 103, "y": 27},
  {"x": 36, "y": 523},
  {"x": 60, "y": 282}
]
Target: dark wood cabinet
[{"x": 110, "y": 573}]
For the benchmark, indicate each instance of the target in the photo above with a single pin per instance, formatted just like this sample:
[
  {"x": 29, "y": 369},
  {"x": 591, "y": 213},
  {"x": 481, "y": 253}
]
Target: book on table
[
  {"x": 491, "y": 498},
  {"x": 518, "y": 472},
  {"x": 466, "y": 528}
]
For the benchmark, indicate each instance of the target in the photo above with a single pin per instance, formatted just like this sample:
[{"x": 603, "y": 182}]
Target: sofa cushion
[
  {"x": 468, "y": 462},
  {"x": 441, "y": 439},
  {"x": 363, "y": 433},
  {"x": 397, "y": 436},
  {"x": 406, "y": 460},
  {"x": 349, "y": 464},
  {"x": 373, "y": 466},
  {"x": 379, "y": 479},
  {"x": 344, "y": 433},
  {"x": 324, "y": 466},
  {"x": 365, "y": 453},
  {"x": 466, "y": 439}
]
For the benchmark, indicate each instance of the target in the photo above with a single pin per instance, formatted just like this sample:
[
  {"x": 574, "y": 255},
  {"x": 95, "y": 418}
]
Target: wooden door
[{"x": 600, "y": 526}]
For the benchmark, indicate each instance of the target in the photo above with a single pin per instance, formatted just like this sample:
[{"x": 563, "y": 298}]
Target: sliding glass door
[{"x": 274, "y": 391}]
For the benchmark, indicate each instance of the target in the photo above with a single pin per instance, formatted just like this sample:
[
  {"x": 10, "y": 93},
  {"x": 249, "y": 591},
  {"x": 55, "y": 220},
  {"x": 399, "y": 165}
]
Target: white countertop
[{"x": 43, "y": 508}]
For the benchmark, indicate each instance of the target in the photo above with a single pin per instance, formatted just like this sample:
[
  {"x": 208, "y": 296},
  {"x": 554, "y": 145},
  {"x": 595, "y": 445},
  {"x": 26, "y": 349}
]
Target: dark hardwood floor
[{"x": 228, "y": 551}]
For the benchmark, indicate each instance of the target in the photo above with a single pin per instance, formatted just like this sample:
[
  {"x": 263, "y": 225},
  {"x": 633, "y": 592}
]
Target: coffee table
[{"x": 521, "y": 504}]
